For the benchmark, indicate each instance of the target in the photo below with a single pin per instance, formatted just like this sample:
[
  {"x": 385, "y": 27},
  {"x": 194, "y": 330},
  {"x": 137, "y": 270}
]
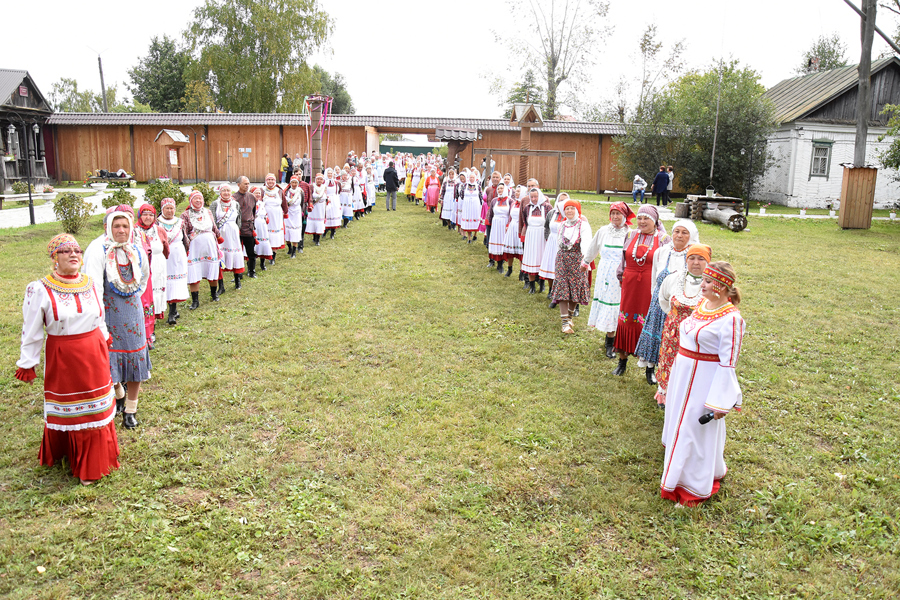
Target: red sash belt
[{"x": 698, "y": 355}]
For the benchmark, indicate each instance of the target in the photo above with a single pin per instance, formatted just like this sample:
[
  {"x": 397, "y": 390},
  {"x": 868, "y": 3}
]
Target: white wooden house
[{"x": 817, "y": 132}]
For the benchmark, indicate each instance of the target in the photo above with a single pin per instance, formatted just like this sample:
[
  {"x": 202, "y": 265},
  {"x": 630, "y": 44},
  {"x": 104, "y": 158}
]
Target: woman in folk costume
[
  {"x": 461, "y": 183},
  {"x": 432, "y": 190},
  {"x": 635, "y": 274},
  {"x": 531, "y": 222},
  {"x": 124, "y": 270},
  {"x": 359, "y": 187},
  {"x": 512, "y": 243},
  {"x": 378, "y": 169},
  {"x": 315, "y": 223},
  {"x": 608, "y": 245},
  {"x": 262, "y": 248},
  {"x": 669, "y": 259},
  {"x": 555, "y": 217},
  {"x": 176, "y": 263},
  {"x": 79, "y": 404},
  {"x": 471, "y": 207},
  {"x": 498, "y": 219},
  {"x": 703, "y": 381},
  {"x": 203, "y": 248},
  {"x": 276, "y": 209},
  {"x": 371, "y": 188},
  {"x": 293, "y": 225},
  {"x": 679, "y": 295},
  {"x": 346, "y": 197},
  {"x": 412, "y": 182},
  {"x": 333, "y": 216},
  {"x": 227, "y": 215},
  {"x": 420, "y": 187},
  {"x": 448, "y": 200},
  {"x": 157, "y": 247},
  {"x": 572, "y": 286}
]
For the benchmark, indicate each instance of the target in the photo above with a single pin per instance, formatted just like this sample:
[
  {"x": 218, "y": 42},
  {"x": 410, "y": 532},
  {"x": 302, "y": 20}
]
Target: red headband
[{"x": 718, "y": 276}]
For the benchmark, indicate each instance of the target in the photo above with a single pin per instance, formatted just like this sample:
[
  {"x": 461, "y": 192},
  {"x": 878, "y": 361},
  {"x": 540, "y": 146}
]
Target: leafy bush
[
  {"x": 209, "y": 194},
  {"x": 158, "y": 190},
  {"x": 122, "y": 183},
  {"x": 72, "y": 212},
  {"x": 120, "y": 196},
  {"x": 21, "y": 187}
]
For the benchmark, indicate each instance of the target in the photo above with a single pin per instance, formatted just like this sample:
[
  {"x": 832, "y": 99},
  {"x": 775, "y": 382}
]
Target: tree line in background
[{"x": 235, "y": 56}]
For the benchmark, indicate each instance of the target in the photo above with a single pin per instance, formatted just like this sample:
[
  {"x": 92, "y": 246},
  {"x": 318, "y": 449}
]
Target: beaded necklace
[
  {"x": 682, "y": 297},
  {"x": 641, "y": 260}
]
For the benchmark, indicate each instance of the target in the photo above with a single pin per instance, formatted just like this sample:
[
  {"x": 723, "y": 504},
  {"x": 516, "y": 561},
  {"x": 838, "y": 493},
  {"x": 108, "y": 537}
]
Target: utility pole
[
  {"x": 864, "y": 95},
  {"x": 102, "y": 85}
]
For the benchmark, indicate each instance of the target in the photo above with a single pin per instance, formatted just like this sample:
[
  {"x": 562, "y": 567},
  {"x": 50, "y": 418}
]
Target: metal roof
[
  {"x": 798, "y": 97},
  {"x": 446, "y": 134},
  {"x": 10, "y": 80},
  {"x": 290, "y": 119}
]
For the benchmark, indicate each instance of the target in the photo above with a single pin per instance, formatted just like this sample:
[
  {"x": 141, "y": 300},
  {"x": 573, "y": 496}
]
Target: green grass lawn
[{"x": 385, "y": 417}]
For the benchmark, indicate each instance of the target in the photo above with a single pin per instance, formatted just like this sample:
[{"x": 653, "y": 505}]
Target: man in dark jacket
[
  {"x": 391, "y": 185},
  {"x": 660, "y": 184}
]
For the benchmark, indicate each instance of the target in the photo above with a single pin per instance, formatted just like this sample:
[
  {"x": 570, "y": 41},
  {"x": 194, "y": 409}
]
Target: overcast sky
[{"x": 428, "y": 62}]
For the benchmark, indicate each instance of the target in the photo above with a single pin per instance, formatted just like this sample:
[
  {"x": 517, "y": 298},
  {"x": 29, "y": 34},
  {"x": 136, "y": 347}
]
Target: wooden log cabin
[{"x": 225, "y": 146}]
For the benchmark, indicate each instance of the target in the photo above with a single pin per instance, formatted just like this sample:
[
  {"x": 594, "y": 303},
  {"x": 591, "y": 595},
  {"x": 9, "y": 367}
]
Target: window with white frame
[{"x": 821, "y": 159}]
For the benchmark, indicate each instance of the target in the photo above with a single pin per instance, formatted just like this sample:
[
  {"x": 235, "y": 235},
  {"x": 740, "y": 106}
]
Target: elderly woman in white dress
[
  {"x": 556, "y": 216},
  {"x": 703, "y": 383},
  {"x": 293, "y": 225},
  {"x": 176, "y": 263},
  {"x": 227, "y": 214},
  {"x": 204, "y": 255}
]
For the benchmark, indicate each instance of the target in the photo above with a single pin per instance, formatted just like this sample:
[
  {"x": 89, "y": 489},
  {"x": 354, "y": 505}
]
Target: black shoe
[
  {"x": 553, "y": 304},
  {"x": 541, "y": 288},
  {"x": 577, "y": 312},
  {"x": 521, "y": 275},
  {"x": 500, "y": 266},
  {"x": 530, "y": 287},
  {"x": 237, "y": 281},
  {"x": 213, "y": 295},
  {"x": 272, "y": 262},
  {"x": 171, "y": 320},
  {"x": 620, "y": 368},
  {"x": 549, "y": 286},
  {"x": 129, "y": 421},
  {"x": 262, "y": 264},
  {"x": 221, "y": 289},
  {"x": 195, "y": 301},
  {"x": 509, "y": 271},
  {"x": 610, "y": 347},
  {"x": 332, "y": 234},
  {"x": 120, "y": 406},
  {"x": 491, "y": 264},
  {"x": 651, "y": 379},
  {"x": 317, "y": 243},
  {"x": 525, "y": 285},
  {"x": 252, "y": 274}
]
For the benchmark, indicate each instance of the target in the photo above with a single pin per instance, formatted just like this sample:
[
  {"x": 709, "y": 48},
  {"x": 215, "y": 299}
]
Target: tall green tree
[
  {"x": 567, "y": 36},
  {"x": 527, "y": 90},
  {"x": 336, "y": 87},
  {"x": 159, "y": 77},
  {"x": 249, "y": 51},
  {"x": 827, "y": 52},
  {"x": 680, "y": 124}
]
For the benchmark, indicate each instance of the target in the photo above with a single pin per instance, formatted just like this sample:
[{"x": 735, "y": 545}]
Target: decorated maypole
[{"x": 319, "y": 109}]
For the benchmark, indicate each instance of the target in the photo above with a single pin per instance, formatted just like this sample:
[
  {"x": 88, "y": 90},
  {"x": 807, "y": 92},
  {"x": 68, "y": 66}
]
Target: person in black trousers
[
  {"x": 391, "y": 185},
  {"x": 660, "y": 185},
  {"x": 247, "y": 202}
]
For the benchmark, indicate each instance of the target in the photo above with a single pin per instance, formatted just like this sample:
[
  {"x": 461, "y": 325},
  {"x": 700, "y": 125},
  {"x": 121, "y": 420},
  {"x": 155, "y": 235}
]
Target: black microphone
[{"x": 706, "y": 418}]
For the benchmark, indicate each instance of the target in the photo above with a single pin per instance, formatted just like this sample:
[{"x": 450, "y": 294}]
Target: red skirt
[{"x": 79, "y": 405}]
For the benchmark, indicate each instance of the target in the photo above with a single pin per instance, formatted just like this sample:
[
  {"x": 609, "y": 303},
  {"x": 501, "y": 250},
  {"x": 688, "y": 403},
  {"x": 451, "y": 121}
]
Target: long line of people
[{"x": 657, "y": 297}]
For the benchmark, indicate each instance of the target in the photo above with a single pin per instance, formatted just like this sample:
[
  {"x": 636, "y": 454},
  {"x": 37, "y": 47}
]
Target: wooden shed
[{"x": 225, "y": 146}]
